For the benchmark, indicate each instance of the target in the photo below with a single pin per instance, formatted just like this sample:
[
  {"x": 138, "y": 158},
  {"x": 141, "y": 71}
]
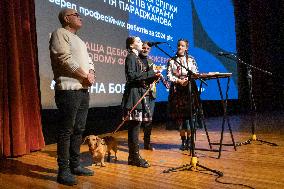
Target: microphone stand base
[
  {"x": 193, "y": 162},
  {"x": 254, "y": 138},
  {"x": 193, "y": 167}
]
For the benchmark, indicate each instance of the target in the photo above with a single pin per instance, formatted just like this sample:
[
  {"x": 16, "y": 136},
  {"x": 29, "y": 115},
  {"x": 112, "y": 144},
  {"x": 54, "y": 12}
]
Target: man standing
[
  {"x": 147, "y": 127},
  {"x": 73, "y": 73}
]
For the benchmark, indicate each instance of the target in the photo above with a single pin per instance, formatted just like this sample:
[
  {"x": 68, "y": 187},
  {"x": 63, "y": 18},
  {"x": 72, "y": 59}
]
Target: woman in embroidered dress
[
  {"x": 136, "y": 76},
  {"x": 179, "y": 101}
]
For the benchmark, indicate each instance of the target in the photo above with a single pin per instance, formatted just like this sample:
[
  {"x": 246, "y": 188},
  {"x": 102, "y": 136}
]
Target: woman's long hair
[
  {"x": 129, "y": 41},
  {"x": 186, "y": 51}
]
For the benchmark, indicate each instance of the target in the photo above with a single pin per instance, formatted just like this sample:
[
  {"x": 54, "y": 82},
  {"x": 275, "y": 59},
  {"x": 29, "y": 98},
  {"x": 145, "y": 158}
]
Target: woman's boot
[
  {"x": 183, "y": 143},
  {"x": 134, "y": 157},
  {"x": 147, "y": 137},
  {"x": 188, "y": 143}
]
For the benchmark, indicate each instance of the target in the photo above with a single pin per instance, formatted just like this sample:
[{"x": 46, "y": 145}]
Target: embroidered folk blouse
[{"x": 175, "y": 71}]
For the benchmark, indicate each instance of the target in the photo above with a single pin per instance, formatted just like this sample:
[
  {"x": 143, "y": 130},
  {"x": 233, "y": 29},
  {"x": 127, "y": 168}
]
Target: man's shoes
[
  {"x": 82, "y": 171},
  {"x": 65, "y": 177}
]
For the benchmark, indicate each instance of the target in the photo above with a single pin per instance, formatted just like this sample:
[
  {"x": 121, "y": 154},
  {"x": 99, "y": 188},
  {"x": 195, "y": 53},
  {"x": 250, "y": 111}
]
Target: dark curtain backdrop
[
  {"x": 260, "y": 34},
  {"x": 20, "y": 115}
]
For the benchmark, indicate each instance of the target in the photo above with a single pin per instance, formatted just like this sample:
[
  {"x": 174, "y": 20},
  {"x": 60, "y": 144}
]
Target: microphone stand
[
  {"x": 194, "y": 161},
  {"x": 252, "y": 110},
  {"x": 188, "y": 70}
]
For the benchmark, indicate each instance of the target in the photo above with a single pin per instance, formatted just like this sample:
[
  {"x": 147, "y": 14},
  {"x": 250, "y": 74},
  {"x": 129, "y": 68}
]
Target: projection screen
[{"x": 208, "y": 25}]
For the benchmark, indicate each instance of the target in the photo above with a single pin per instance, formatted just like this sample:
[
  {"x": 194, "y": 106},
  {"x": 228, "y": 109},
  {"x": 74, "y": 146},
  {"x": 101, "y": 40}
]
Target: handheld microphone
[
  {"x": 155, "y": 43},
  {"x": 220, "y": 53}
]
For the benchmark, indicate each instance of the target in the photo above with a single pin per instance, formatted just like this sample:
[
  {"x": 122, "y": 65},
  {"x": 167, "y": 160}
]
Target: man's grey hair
[{"x": 62, "y": 14}]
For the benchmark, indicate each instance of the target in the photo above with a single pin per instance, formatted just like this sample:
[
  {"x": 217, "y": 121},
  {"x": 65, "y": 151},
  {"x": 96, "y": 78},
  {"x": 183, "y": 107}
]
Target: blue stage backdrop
[{"x": 208, "y": 25}]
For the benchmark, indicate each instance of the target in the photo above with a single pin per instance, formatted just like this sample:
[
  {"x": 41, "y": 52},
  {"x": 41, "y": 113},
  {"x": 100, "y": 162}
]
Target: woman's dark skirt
[{"x": 179, "y": 103}]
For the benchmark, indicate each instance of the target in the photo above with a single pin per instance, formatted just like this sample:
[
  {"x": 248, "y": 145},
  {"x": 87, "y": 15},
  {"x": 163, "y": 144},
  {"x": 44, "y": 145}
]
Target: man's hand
[{"x": 91, "y": 78}]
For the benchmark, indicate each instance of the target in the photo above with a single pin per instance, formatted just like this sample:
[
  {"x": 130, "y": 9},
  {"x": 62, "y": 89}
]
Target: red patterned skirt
[{"x": 179, "y": 103}]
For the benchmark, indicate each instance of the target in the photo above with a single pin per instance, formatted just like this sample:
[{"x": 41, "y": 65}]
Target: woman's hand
[
  {"x": 182, "y": 82},
  {"x": 158, "y": 75}
]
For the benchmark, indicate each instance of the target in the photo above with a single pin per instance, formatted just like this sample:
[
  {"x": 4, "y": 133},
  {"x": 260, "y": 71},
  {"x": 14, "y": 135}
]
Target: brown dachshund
[
  {"x": 98, "y": 147},
  {"x": 111, "y": 145}
]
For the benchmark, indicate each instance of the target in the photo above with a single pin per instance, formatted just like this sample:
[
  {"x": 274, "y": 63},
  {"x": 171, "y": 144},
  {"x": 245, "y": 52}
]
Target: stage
[{"x": 256, "y": 165}]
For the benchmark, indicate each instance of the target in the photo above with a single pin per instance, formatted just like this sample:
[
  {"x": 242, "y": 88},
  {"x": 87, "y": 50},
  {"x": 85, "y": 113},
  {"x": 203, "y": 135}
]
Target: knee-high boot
[
  {"x": 147, "y": 136},
  {"x": 188, "y": 143},
  {"x": 183, "y": 143},
  {"x": 134, "y": 157}
]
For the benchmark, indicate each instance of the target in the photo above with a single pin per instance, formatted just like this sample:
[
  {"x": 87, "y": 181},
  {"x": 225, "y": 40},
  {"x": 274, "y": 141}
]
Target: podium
[{"x": 217, "y": 76}]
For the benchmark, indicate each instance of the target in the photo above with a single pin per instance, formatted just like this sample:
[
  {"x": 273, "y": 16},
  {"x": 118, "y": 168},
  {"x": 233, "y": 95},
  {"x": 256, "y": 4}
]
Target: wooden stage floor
[{"x": 256, "y": 165}]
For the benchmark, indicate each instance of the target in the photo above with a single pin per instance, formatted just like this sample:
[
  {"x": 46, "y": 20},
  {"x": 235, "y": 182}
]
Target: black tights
[{"x": 133, "y": 135}]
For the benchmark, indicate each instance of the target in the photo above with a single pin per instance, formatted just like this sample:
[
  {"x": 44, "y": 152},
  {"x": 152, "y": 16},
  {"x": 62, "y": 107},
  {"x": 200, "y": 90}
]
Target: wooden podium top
[{"x": 211, "y": 75}]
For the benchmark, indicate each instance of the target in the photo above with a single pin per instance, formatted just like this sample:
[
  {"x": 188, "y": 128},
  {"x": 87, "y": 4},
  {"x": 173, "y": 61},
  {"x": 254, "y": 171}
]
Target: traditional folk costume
[{"x": 137, "y": 77}]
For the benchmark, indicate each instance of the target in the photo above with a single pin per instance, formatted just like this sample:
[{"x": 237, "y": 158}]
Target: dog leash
[{"x": 138, "y": 102}]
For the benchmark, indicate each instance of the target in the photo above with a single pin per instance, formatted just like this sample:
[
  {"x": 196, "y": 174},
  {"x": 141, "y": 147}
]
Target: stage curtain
[
  {"x": 20, "y": 111},
  {"x": 259, "y": 29}
]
